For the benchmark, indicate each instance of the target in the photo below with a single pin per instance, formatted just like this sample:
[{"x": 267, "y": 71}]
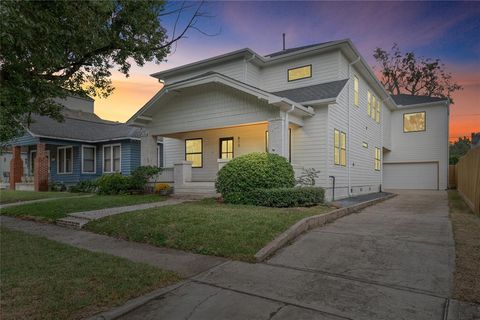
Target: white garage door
[{"x": 410, "y": 175}]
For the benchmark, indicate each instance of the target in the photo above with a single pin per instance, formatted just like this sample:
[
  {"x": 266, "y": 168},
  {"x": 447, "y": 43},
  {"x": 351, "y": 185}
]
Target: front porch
[{"x": 191, "y": 160}]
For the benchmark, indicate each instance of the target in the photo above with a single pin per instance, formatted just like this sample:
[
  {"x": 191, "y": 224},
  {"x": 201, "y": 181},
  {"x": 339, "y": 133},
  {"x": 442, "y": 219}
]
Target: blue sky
[{"x": 446, "y": 30}]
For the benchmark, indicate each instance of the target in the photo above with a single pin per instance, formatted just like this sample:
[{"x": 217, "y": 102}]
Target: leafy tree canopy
[
  {"x": 458, "y": 149},
  {"x": 406, "y": 73},
  {"x": 53, "y": 48}
]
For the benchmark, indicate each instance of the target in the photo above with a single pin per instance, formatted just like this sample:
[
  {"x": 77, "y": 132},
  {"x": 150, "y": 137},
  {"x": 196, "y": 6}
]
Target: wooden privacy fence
[
  {"x": 452, "y": 176},
  {"x": 468, "y": 179}
]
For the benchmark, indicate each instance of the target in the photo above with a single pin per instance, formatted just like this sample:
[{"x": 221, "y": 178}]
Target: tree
[
  {"x": 50, "y": 49},
  {"x": 405, "y": 73},
  {"x": 458, "y": 149}
]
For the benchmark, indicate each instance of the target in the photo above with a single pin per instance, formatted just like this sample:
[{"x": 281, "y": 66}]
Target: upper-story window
[
  {"x": 373, "y": 107},
  {"x": 355, "y": 91},
  {"x": 299, "y": 73},
  {"x": 369, "y": 103},
  {"x": 414, "y": 122},
  {"x": 377, "y": 117}
]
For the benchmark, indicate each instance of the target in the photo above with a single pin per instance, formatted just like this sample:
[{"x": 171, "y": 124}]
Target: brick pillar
[
  {"x": 16, "y": 167},
  {"x": 40, "y": 171}
]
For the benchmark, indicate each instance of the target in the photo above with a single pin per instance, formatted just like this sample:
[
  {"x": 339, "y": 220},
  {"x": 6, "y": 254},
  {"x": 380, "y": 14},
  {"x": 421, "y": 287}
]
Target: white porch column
[
  {"x": 278, "y": 136},
  {"x": 182, "y": 172},
  {"x": 148, "y": 153}
]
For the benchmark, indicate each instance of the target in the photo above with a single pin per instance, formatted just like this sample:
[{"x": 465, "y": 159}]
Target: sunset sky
[{"x": 446, "y": 30}]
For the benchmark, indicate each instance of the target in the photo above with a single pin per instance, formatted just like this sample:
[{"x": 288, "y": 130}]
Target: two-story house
[{"x": 320, "y": 106}]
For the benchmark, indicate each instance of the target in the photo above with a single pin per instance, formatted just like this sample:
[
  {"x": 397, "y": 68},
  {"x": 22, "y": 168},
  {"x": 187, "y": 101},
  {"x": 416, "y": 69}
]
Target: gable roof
[
  {"x": 407, "y": 99},
  {"x": 83, "y": 127},
  {"x": 315, "y": 92}
]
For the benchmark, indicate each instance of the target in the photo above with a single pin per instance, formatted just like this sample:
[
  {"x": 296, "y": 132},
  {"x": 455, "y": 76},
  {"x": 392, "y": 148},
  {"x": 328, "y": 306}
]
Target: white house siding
[
  {"x": 208, "y": 107},
  {"x": 246, "y": 139},
  {"x": 325, "y": 68},
  {"x": 234, "y": 69},
  {"x": 386, "y": 127},
  {"x": 363, "y": 177},
  {"x": 426, "y": 146},
  {"x": 309, "y": 144}
]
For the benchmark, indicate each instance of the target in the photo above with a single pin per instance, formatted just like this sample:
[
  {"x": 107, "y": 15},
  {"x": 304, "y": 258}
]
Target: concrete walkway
[
  {"x": 184, "y": 263},
  {"x": 79, "y": 219},
  {"x": 393, "y": 260}
]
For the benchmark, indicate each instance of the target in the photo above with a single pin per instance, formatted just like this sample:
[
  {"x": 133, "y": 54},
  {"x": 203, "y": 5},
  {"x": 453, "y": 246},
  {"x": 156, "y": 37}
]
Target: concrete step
[{"x": 72, "y": 222}]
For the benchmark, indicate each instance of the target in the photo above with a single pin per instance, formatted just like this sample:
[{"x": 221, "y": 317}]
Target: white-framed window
[
  {"x": 89, "y": 159},
  {"x": 160, "y": 156},
  {"x": 414, "y": 122},
  {"x": 355, "y": 91},
  {"x": 65, "y": 160},
  {"x": 369, "y": 103},
  {"x": 340, "y": 148},
  {"x": 373, "y": 108},
  {"x": 377, "y": 118},
  {"x": 365, "y": 145},
  {"x": 112, "y": 158},
  {"x": 378, "y": 161}
]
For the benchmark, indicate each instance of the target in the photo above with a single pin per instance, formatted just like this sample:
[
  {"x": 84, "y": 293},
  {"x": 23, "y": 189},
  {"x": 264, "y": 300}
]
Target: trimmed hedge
[
  {"x": 279, "y": 197},
  {"x": 254, "y": 171}
]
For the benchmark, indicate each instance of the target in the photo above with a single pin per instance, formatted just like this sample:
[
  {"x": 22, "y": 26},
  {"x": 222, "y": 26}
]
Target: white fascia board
[
  {"x": 445, "y": 103},
  {"x": 147, "y": 105}
]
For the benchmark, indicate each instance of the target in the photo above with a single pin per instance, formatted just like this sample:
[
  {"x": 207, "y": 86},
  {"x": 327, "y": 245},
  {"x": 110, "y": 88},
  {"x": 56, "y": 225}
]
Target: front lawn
[
  {"x": 10, "y": 196},
  {"x": 43, "y": 279},
  {"x": 205, "y": 227},
  {"x": 466, "y": 229},
  {"x": 56, "y": 209}
]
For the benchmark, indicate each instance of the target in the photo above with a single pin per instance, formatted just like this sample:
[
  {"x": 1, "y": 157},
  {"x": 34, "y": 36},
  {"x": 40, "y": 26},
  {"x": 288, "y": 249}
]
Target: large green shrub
[
  {"x": 254, "y": 171},
  {"x": 87, "y": 186},
  {"x": 117, "y": 183},
  {"x": 279, "y": 197}
]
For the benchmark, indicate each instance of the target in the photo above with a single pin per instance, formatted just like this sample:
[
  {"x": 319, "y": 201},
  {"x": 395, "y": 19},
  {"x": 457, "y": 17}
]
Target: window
[
  {"x": 355, "y": 91},
  {"x": 64, "y": 160},
  {"x": 377, "y": 118},
  {"x": 89, "y": 162},
  {"x": 226, "y": 148},
  {"x": 365, "y": 145},
  {"x": 194, "y": 152},
  {"x": 377, "y": 159},
  {"x": 112, "y": 158},
  {"x": 373, "y": 107},
  {"x": 160, "y": 163},
  {"x": 340, "y": 148},
  {"x": 414, "y": 122},
  {"x": 300, "y": 73},
  {"x": 369, "y": 103}
]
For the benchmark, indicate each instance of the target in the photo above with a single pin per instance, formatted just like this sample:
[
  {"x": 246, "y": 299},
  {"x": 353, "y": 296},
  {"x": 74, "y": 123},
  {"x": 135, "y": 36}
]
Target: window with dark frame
[
  {"x": 414, "y": 122},
  {"x": 160, "y": 163},
  {"x": 299, "y": 73},
  {"x": 226, "y": 148},
  {"x": 194, "y": 152}
]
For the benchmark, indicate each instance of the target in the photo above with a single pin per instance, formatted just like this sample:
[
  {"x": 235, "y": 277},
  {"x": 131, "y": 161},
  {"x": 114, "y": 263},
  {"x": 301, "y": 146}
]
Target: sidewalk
[{"x": 184, "y": 263}]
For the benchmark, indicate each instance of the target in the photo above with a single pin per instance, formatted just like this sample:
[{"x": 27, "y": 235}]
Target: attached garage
[{"x": 411, "y": 175}]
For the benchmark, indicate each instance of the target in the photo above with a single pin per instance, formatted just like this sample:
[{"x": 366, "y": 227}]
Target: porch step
[
  {"x": 72, "y": 222},
  {"x": 206, "y": 189}
]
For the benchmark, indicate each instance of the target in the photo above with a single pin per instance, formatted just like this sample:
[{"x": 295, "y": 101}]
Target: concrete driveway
[{"x": 393, "y": 260}]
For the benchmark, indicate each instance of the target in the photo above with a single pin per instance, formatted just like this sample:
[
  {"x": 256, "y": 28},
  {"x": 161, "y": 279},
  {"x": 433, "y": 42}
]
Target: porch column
[
  {"x": 278, "y": 136},
  {"x": 182, "y": 172},
  {"x": 148, "y": 153},
  {"x": 40, "y": 171},
  {"x": 16, "y": 167}
]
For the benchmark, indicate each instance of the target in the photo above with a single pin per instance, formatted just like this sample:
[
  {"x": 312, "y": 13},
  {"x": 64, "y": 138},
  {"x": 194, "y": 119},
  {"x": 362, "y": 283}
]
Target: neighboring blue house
[{"x": 82, "y": 147}]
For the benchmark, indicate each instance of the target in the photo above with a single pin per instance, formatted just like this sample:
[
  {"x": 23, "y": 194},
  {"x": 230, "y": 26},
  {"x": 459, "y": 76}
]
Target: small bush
[
  {"x": 139, "y": 177},
  {"x": 254, "y": 171},
  {"x": 87, "y": 186},
  {"x": 114, "y": 183},
  {"x": 279, "y": 197}
]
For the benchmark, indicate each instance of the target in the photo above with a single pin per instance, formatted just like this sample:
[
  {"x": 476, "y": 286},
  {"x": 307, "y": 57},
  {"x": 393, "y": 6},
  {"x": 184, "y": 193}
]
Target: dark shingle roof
[
  {"x": 314, "y": 92},
  {"x": 407, "y": 99},
  {"x": 81, "y": 126},
  {"x": 279, "y": 53}
]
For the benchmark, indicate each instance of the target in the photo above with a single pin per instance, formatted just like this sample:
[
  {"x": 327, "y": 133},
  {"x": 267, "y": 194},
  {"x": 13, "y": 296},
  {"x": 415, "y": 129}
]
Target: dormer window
[{"x": 300, "y": 73}]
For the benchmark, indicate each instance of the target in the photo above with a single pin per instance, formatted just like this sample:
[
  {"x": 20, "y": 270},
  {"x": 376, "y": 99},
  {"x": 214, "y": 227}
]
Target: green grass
[
  {"x": 43, "y": 279},
  {"x": 10, "y": 196},
  {"x": 205, "y": 227},
  {"x": 56, "y": 209}
]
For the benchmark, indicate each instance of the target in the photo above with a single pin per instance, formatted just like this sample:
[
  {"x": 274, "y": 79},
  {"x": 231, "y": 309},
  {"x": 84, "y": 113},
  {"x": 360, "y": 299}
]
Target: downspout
[{"x": 348, "y": 125}]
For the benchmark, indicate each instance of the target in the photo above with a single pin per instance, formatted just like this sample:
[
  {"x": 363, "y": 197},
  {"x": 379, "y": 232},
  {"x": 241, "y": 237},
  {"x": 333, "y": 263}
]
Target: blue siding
[{"x": 24, "y": 140}]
